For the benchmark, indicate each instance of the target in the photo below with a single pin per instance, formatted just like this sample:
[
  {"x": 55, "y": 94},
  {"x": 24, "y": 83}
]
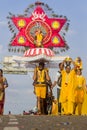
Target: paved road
[{"x": 35, "y": 122}]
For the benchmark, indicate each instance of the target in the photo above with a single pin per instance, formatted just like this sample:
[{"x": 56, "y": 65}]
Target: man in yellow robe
[
  {"x": 79, "y": 91},
  {"x": 66, "y": 94}
]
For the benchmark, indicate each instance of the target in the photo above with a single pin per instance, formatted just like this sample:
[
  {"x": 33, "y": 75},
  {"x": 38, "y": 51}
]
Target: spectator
[
  {"x": 58, "y": 80},
  {"x": 66, "y": 94},
  {"x": 3, "y": 85}
]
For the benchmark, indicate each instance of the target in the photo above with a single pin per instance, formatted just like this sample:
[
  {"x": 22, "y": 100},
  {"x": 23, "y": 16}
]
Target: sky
[{"x": 19, "y": 94}]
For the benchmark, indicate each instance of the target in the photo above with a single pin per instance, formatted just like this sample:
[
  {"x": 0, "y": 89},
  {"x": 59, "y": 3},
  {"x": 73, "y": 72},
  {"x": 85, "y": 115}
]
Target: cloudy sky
[{"x": 19, "y": 95}]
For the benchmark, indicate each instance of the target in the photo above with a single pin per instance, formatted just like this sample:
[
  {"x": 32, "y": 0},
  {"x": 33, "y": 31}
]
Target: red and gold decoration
[{"x": 37, "y": 29}]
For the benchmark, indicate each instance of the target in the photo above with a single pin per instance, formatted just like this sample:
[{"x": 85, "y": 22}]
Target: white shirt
[{"x": 56, "y": 78}]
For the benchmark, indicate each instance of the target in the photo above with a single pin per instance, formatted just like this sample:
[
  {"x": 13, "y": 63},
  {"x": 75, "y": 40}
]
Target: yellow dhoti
[{"x": 40, "y": 90}]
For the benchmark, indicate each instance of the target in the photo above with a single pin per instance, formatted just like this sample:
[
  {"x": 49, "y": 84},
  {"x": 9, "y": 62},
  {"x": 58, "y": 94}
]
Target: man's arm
[
  {"x": 55, "y": 81},
  {"x": 47, "y": 75},
  {"x": 35, "y": 74},
  {"x": 5, "y": 82},
  {"x": 54, "y": 84}
]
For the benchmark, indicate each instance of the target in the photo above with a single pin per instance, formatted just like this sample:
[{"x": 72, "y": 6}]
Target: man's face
[
  {"x": 61, "y": 67},
  {"x": 68, "y": 68},
  {"x": 41, "y": 67},
  {"x": 78, "y": 72}
]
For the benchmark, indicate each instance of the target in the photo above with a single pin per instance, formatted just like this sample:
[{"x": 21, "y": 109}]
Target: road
[{"x": 39, "y": 122}]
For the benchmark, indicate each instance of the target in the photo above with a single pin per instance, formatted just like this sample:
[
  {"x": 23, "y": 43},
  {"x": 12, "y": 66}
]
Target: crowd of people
[
  {"x": 71, "y": 88},
  {"x": 70, "y": 91}
]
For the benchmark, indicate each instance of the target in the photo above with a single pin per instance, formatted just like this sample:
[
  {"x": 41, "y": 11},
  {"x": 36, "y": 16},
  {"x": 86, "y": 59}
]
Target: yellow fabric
[
  {"x": 1, "y": 95},
  {"x": 55, "y": 107},
  {"x": 1, "y": 83},
  {"x": 84, "y": 107},
  {"x": 78, "y": 64},
  {"x": 40, "y": 90},
  {"x": 66, "y": 93},
  {"x": 2, "y": 79},
  {"x": 39, "y": 37},
  {"x": 70, "y": 104},
  {"x": 67, "y": 108},
  {"x": 79, "y": 95},
  {"x": 79, "y": 81},
  {"x": 79, "y": 85},
  {"x": 67, "y": 86},
  {"x": 41, "y": 75}
]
